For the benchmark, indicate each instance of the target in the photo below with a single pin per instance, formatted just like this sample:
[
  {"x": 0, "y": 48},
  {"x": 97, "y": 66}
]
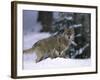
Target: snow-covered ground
[{"x": 29, "y": 59}]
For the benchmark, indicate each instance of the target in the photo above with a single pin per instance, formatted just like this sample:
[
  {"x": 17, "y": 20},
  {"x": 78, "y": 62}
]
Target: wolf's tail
[{"x": 30, "y": 50}]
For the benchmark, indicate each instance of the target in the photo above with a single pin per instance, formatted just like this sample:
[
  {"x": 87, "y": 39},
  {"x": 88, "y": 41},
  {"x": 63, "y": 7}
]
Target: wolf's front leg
[{"x": 54, "y": 53}]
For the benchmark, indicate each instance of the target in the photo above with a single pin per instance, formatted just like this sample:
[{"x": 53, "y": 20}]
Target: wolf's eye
[{"x": 69, "y": 33}]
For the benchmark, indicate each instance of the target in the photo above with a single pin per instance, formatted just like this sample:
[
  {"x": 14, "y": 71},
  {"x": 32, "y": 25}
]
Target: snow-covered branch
[
  {"x": 80, "y": 51},
  {"x": 77, "y": 25}
]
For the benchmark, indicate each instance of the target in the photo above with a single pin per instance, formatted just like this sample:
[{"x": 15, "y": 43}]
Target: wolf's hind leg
[{"x": 39, "y": 56}]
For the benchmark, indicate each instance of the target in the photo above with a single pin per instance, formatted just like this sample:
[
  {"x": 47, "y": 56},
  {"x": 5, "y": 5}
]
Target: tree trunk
[{"x": 46, "y": 19}]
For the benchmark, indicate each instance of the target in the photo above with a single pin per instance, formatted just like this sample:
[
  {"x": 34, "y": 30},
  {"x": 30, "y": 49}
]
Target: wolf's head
[{"x": 69, "y": 33}]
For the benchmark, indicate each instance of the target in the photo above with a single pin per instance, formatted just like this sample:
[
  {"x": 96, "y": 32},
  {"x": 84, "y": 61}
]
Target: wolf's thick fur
[{"x": 54, "y": 46}]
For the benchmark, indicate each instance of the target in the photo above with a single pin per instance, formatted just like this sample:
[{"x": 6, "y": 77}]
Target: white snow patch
[{"x": 29, "y": 63}]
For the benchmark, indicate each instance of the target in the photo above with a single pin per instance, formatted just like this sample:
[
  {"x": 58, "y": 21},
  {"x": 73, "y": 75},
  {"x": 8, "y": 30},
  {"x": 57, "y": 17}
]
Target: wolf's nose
[{"x": 68, "y": 37}]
